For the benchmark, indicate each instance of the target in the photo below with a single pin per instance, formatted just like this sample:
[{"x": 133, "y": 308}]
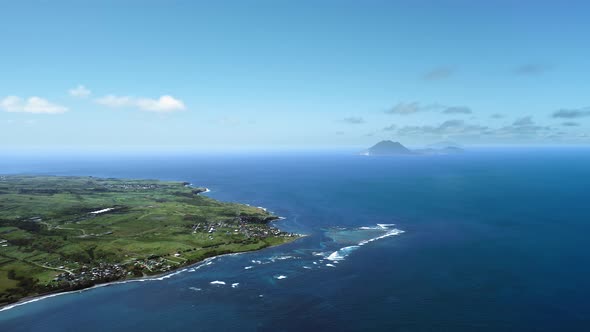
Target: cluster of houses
[
  {"x": 259, "y": 230},
  {"x": 153, "y": 264},
  {"x": 244, "y": 225},
  {"x": 132, "y": 186},
  {"x": 101, "y": 272}
]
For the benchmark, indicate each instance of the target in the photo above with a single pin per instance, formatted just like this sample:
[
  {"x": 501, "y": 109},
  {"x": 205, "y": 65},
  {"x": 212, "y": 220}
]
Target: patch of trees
[
  {"x": 26, "y": 285},
  {"x": 77, "y": 256},
  {"x": 21, "y": 242},
  {"x": 183, "y": 194},
  {"x": 26, "y": 225},
  {"x": 38, "y": 191}
]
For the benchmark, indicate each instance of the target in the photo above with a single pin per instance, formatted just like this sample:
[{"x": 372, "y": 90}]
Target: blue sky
[{"x": 242, "y": 74}]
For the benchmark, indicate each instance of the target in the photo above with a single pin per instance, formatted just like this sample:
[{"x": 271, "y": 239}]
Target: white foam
[
  {"x": 341, "y": 253},
  {"x": 384, "y": 226},
  {"x": 206, "y": 262},
  {"x": 235, "y": 285},
  {"x": 256, "y": 261},
  {"x": 217, "y": 282},
  {"x": 307, "y": 267},
  {"x": 194, "y": 288},
  {"x": 281, "y": 258},
  {"x": 248, "y": 267},
  {"x": 34, "y": 300},
  {"x": 281, "y": 277},
  {"x": 392, "y": 232},
  {"x": 331, "y": 265}
]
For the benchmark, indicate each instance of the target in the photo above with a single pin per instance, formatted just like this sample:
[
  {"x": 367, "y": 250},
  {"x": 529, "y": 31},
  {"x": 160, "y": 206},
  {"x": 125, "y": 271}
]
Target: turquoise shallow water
[{"x": 492, "y": 240}]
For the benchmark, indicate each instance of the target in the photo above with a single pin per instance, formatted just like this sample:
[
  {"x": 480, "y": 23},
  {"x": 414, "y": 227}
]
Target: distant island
[
  {"x": 391, "y": 148},
  {"x": 68, "y": 233}
]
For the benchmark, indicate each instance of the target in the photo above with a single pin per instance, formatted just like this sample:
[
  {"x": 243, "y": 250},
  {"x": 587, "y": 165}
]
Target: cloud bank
[
  {"x": 572, "y": 113},
  {"x": 410, "y": 108},
  {"x": 34, "y": 105},
  {"x": 524, "y": 121},
  {"x": 415, "y": 107},
  {"x": 164, "y": 104},
  {"x": 457, "y": 110},
  {"x": 523, "y": 128}
]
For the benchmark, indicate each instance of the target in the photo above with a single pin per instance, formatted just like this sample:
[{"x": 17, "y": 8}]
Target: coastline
[{"x": 156, "y": 277}]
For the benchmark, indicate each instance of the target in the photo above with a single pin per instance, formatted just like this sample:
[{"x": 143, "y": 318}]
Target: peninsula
[{"x": 67, "y": 233}]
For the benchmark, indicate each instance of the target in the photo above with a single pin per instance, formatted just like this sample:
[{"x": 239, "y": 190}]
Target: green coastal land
[{"x": 67, "y": 233}]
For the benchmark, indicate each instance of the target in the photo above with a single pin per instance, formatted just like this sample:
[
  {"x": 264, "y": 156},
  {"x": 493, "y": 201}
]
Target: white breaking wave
[
  {"x": 194, "y": 288},
  {"x": 206, "y": 262},
  {"x": 379, "y": 226},
  {"x": 235, "y": 285},
  {"x": 35, "y": 300},
  {"x": 217, "y": 282},
  {"x": 331, "y": 265},
  {"x": 341, "y": 253},
  {"x": 281, "y": 277},
  {"x": 248, "y": 267},
  {"x": 384, "y": 226},
  {"x": 392, "y": 232},
  {"x": 281, "y": 258}
]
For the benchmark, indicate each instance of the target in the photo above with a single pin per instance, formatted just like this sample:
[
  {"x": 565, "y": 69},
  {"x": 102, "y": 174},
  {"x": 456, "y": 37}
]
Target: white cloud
[
  {"x": 115, "y": 101},
  {"x": 163, "y": 104},
  {"x": 80, "y": 92},
  {"x": 34, "y": 105}
]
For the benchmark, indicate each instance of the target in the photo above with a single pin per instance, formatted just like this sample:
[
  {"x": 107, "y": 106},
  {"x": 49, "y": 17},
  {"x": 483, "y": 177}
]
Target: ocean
[{"x": 487, "y": 240}]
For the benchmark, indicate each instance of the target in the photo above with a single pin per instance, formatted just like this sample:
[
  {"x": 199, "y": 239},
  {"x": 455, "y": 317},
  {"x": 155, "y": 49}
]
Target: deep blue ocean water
[{"x": 494, "y": 240}]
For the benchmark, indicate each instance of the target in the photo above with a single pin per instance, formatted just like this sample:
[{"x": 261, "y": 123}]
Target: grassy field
[{"x": 63, "y": 233}]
